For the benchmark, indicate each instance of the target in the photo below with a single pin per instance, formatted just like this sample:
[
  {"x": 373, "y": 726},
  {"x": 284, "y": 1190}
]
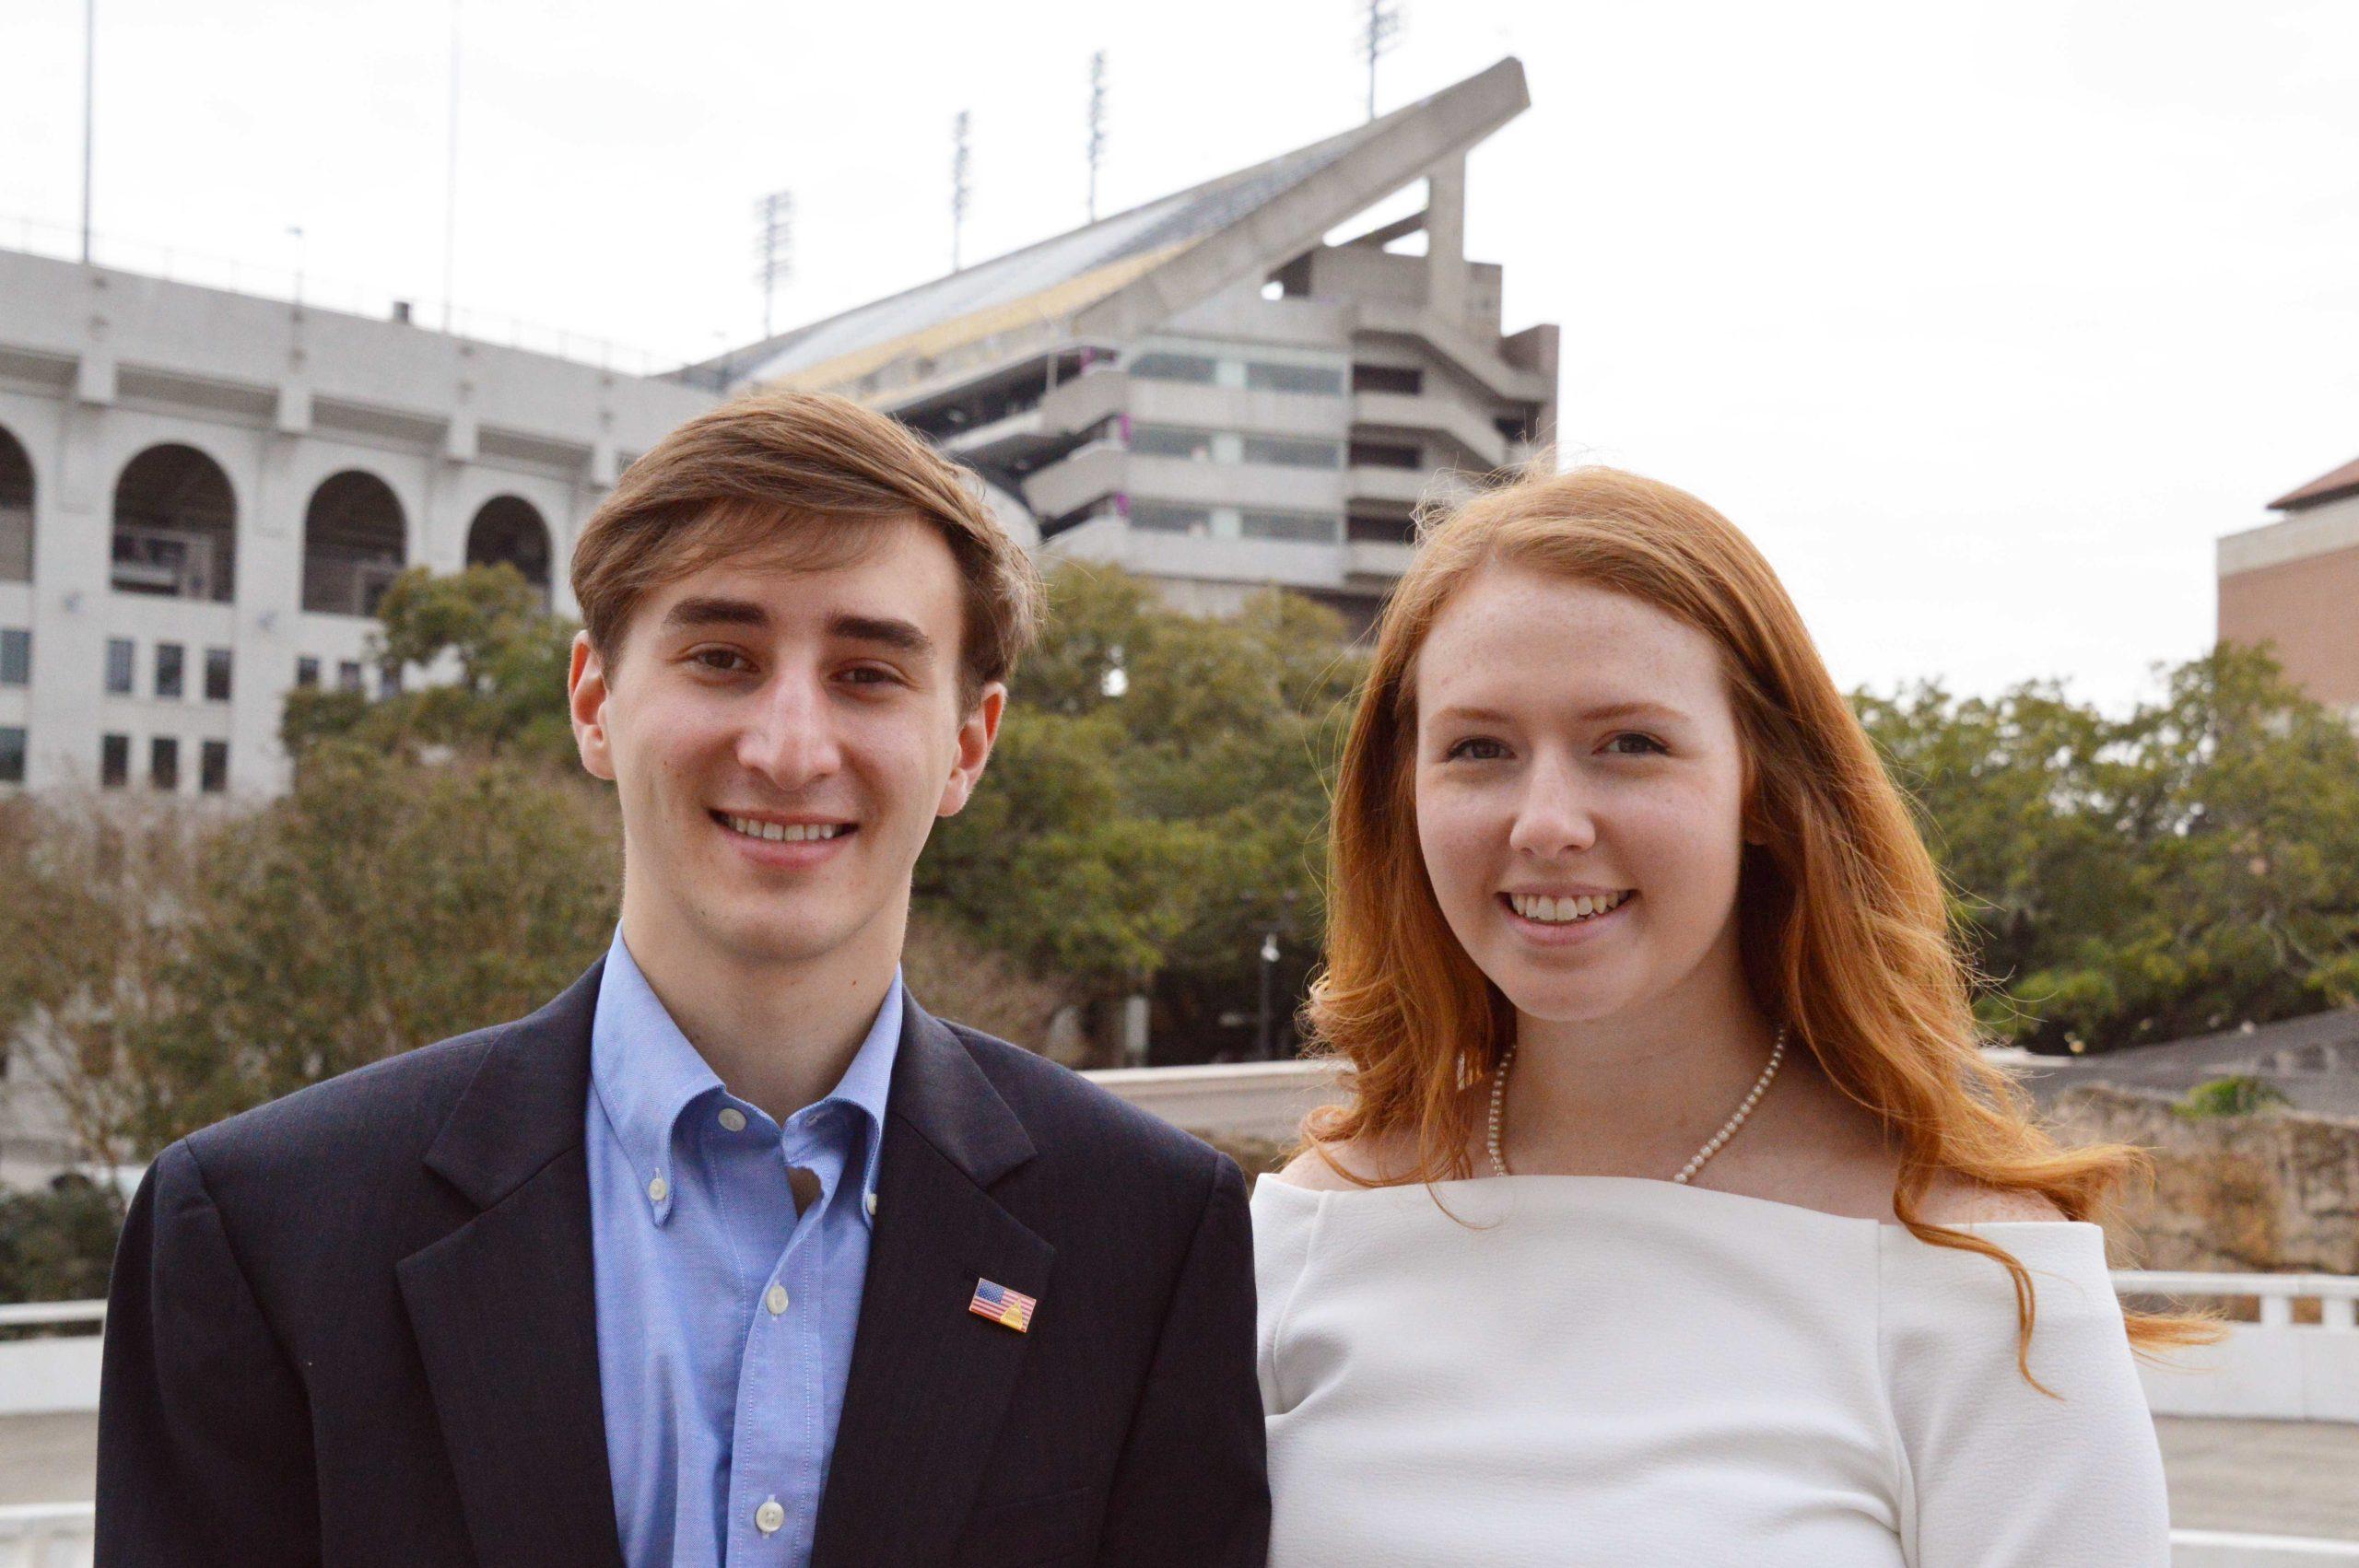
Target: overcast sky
[{"x": 1985, "y": 320}]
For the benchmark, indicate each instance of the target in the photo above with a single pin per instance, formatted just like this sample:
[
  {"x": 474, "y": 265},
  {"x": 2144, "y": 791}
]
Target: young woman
[{"x": 1674, "y": 1216}]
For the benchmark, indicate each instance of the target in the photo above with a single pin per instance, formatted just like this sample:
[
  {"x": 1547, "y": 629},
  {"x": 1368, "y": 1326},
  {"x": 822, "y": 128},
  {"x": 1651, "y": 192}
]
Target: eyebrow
[
  {"x": 886, "y": 631},
  {"x": 690, "y": 612},
  {"x": 1604, "y": 713}
]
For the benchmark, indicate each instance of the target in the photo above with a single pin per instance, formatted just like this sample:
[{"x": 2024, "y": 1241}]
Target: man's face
[{"x": 781, "y": 739}]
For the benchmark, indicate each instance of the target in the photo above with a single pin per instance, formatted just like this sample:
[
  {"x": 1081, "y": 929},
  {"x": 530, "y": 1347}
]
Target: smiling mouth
[
  {"x": 1542, "y": 910},
  {"x": 783, "y": 832}
]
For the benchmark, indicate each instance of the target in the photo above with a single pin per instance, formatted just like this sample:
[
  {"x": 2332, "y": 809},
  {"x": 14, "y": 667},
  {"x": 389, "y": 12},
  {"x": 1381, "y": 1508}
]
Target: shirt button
[
  {"x": 769, "y": 1517},
  {"x": 871, "y": 1205},
  {"x": 775, "y": 1299},
  {"x": 732, "y": 1119},
  {"x": 658, "y": 1190}
]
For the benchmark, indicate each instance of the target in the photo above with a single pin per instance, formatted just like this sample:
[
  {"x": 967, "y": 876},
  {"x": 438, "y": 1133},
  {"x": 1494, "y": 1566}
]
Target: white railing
[
  {"x": 45, "y": 1534},
  {"x": 2272, "y": 1370}
]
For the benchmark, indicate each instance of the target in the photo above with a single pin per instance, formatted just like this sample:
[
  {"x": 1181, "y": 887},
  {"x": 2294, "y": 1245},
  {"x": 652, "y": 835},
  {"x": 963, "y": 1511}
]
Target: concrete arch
[
  {"x": 16, "y": 508},
  {"x": 175, "y": 531},
  {"x": 356, "y": 539},
  {"x": 511, "y": 529}
]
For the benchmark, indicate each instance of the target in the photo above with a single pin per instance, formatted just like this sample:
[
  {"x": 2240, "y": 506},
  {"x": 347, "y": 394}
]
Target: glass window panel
[
  {"x": 1318, "y": 380},
  {"x": 1291, "y": 452},
  {"x": 119, "y": 658},
  {"x": 213, "y": 766},
  {"x": 1294, "y": 527},
  {"x": 1162, "y": 517},
  {"x": 12, "y": 754},
  {"x": 306, "y": 672},
  {"x": 348, "y": 675},
  {"x": 1171, "y": 440},
  {"x": 169, "y": 657},
  {"x": 1385, "y": 454},
  {"x": 1402, "y": 379},
  {"x": 217, "y": 674},
  {"x": 115, "y": 760},
  {"x": 16, "y": 657},
  {"x": 164, "y": 762},
  {"x": 1159, "y": 366}
]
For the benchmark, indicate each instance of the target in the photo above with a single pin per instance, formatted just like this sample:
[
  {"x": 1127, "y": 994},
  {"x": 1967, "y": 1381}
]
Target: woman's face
[{"x": 1581, "y": 794}]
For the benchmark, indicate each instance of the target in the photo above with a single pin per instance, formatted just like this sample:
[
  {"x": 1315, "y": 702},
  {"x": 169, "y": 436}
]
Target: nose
[
  {"x": 789, "y": 739},
  {"x": 1552, "y": 816}
]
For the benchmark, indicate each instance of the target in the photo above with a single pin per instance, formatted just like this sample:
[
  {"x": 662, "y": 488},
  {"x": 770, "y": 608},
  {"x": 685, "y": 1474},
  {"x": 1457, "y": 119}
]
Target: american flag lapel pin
[{"x": 1011, "y": 1309}]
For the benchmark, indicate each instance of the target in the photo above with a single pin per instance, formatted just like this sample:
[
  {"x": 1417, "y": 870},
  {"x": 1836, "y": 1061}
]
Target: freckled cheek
[{"x": 1463, "y": 843}]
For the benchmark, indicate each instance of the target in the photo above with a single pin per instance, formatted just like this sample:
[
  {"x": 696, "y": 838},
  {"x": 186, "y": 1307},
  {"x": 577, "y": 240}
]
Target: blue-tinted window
[
  {"x": 16, "y": 656},
  {"x": 12, "y": 754},
  {"x": 119, "y": 657}
]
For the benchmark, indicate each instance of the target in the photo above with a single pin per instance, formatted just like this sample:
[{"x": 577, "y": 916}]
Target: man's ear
[
  {"x": 976, "y": 734},
  {"x": 585, "y": 696}
]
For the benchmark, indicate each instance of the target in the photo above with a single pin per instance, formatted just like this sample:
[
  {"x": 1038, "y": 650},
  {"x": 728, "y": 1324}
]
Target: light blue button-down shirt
[{"x": 726, "y": 1320}]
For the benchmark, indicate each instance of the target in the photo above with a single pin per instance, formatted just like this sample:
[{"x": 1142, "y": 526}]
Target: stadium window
[
  {"x": 1171, "y": 440},
  {"x": 164, "y": 762},
  {"x": 347, "y": 676},
  {"x": 1404, "y": 379},
  {"x": 12, "y": 754},
  {"x": 1314, "y": 381},
  {"x": 213, "y": 766},
  {"x": 1292, "y": 451},
  {"x": 169, "y": 656},
  {"x": 1385, "y": 454},
  {"x": 1294, "y": 528},
  {"x": 114, "y": 761},
  {"x": 120, "y": 654},
  {"x": 217, "y": 674},
  {"x": 1162, "y": 517},
  {"x": 16, "y": 657},
  {"x": 1164, "y": 366},
  {"x": 307, "y": 672}
]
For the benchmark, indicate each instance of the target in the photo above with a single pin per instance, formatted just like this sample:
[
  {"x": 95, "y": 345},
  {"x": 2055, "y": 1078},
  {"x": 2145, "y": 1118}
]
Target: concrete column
[
  {"x": 1446, "y": 239},
  {"x": 72, "y": 534}
]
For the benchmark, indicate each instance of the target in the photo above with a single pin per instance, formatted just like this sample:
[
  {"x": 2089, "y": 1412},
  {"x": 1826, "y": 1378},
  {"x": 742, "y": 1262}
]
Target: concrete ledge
[{"x": 1253, "y": 1099}]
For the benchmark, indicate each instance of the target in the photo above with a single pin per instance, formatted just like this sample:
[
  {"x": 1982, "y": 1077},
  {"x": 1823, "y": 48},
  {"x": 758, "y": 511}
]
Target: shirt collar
[{"x": 646, "y": 1074}]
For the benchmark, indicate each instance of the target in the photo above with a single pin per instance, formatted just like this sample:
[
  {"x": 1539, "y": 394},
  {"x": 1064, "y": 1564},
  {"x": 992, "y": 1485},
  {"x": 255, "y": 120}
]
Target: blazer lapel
[
  {"x": 504, "y": 1309},
  {"x": 929, "y": 1381}
]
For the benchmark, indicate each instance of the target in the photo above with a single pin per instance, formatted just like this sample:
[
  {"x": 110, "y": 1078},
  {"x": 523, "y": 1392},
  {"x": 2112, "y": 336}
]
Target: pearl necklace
[{"x": 1712, "y": 1146}]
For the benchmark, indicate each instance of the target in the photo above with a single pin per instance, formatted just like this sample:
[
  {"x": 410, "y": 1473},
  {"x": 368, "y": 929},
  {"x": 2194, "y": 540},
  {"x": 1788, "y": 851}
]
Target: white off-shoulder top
[{"x": 1596, "y": 1372}]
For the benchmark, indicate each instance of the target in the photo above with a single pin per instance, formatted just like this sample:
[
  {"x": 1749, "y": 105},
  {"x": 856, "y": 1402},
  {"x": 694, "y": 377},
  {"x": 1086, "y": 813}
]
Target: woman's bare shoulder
[
  {"x": 1954, "y": 1200},
  {"x": 1351, "y": 1165}
]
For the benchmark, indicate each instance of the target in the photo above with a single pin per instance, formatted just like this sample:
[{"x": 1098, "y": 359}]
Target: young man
[{"x": 731, "y": 1254}]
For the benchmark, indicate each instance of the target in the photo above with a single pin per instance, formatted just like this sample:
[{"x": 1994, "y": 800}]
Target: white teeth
[
  {"x": 1561, "y": 911},
  {"x": 782, "y": 832}
]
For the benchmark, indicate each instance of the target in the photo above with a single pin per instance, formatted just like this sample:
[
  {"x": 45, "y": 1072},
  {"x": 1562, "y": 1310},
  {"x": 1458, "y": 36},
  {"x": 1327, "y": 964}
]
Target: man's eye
[
  {"x": 722, "y": 661},
  {"x": 870, "y": 675},
  {"x": 1476, "y": 748},
  {"x": 1632, "y": 744}
]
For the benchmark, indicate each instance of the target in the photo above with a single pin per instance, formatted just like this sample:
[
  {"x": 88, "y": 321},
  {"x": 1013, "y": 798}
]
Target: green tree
[{"x": 2191, "y": 864}]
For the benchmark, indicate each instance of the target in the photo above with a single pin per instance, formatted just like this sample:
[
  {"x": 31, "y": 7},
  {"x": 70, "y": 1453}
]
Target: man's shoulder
[
  {"x": 349, "y": 1124},
  {"x": 1074, "y": 1122}
]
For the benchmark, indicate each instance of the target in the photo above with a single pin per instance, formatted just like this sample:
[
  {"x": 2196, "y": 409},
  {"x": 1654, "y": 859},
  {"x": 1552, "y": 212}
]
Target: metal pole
[
  {"x": 1269, "y": 966},
  {"x": 450, "y": 181},
  {"x": 89, "y": 110}
]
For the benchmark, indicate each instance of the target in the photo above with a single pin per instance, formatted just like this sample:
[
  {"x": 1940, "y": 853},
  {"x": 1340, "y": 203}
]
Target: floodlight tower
[
  {"x": 958, "y": 185},
  {"x": 1378, "y": 33},
  {"x": 773, "y": 248},
  {"x": 1096, "y": 125}
]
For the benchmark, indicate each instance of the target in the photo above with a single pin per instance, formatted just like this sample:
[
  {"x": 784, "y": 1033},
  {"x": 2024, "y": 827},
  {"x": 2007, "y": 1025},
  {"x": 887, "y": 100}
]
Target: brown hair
[
  {"x": 810, "y": 471},
  {"x": 1845, "y": 927}
]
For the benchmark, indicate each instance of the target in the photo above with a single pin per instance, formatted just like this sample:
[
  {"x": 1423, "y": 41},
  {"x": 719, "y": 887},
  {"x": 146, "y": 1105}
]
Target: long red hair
[{"x": 1844, "y": 930}]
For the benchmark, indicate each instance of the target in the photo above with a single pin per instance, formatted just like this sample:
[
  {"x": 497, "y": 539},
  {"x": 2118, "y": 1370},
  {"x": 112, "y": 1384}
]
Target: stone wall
[{"x": 2273, "y": 1192}]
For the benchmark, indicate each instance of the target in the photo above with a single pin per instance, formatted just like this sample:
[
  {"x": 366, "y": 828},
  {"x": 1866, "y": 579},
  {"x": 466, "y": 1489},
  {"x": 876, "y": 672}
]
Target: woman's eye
[
  {"x": 1476, "y": 748},
  {"x": 1635, "y": 745}
]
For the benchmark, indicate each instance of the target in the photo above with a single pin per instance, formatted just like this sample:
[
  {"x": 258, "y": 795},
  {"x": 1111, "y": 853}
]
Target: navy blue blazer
[{"x": 356, "y": 1328}]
